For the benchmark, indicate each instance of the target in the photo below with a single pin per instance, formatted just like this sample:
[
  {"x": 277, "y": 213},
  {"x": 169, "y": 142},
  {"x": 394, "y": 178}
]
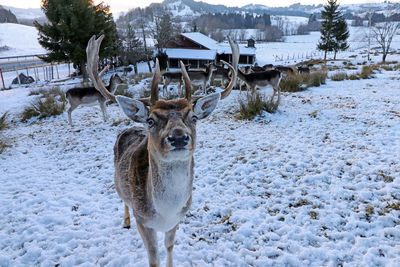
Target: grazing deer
[
  {"x": 285, "y": 70},
  {"x": 262, "y": 79},
  {"x": 154, "y": 164},
  {"x": 88, "y": 95},
  {"x": 172, "y": 77},
  {"x": 301, "y": 69},
  {"x": 202, "y": 77}
]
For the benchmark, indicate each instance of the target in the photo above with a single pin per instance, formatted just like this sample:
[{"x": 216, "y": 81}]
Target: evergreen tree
[
  {"x": 341, "y": 35},
  {"x": 329, "y": 16},
  {"x": 133, "y": 50},
  {"x": 71, "y": 24},
  {"x": 164, "y": 31}
]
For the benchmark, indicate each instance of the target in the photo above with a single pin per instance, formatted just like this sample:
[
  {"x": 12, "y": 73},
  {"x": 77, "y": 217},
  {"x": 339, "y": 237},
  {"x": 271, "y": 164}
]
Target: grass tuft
[
  {"x": 50, "y": 103},
  {"x": 339, "y": 76},
  {"x": 253, "y": 106},
  {"x": 300, "y": 82}
]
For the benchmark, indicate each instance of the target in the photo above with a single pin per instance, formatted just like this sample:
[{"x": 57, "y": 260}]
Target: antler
[
  {"x": 233, "y": 69},
  {"x": 92, "y": 52},
  {"x": 188, "y": 84}
]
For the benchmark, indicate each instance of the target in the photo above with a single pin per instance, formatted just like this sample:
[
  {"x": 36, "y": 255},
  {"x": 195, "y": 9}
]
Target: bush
[
  {"x": 366, "y": 72},
  {"x": 339, "y": 76},
  {"x": 3, "y": 123},
  {"x": 353, "y": 77},
  {"x": 50, "y": 103},
  {"x": 316, "y": 78},
  {"x": 253, "y": 106},
  {"x": 300, "y": 82}
]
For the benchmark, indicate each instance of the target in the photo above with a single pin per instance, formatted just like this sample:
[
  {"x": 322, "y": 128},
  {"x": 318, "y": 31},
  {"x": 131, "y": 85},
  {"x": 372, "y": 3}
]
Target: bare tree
[{"x": 383, "y": 34}]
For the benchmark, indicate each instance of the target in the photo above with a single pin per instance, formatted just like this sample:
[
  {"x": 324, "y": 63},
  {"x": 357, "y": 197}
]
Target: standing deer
[
  {"x": 87, "y": 95},
  {"x": 202, "y": 77},
  {"x": 154, "y": 164},
  {"x": 262, "y": 79},
  {"x": 173, "y": 77}
]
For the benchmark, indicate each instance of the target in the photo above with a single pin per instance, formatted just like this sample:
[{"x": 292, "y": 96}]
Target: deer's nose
[{"x": 178, "y": 141}]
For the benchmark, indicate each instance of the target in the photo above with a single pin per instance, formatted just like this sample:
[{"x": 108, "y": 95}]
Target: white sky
[{"x": 125, "y": 5}]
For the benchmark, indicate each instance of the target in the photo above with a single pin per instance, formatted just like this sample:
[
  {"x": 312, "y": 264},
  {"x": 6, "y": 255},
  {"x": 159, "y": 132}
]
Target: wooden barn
[{"x": 197, "y": 49}]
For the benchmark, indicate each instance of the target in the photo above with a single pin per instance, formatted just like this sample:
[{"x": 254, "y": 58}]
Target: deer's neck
[
  {"x": 241, "y": 75},
  {"x": 170, "y": 185}
]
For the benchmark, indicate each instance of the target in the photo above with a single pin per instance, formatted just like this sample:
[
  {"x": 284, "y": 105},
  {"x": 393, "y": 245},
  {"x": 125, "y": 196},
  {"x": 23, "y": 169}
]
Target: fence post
[
  {"x": 19, "y": 81},
  {"x": 2, "y": 79},
  {"x": 58, "y": 76}
]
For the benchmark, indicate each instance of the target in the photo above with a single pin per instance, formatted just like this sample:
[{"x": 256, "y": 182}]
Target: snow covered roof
[
  {"x": 201, "y": 39},
  {"x": 190, "y": 53},
  {"x": 220, "y": 48}
]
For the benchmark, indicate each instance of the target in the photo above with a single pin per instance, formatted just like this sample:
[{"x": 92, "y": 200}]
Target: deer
[
  {"x": 220, "y": 73},
  {"x": 202, "y": 77},
  {"x": 302, "y": 69},
  {"x": 262, "y": 79},
  {"x": 173, "y": 77},
  {"x": 285, "y": 70},
  {"x": 87, "y": 95},
  {"x": 154, "y": 163}
]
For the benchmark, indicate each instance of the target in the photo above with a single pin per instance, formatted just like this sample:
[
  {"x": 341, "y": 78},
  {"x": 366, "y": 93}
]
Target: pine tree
[
  {"x": 71, "y": 24},
  {"x": 341, "y": 35},
  {"x": 329, "y": 16},
  {"x": 133, "y": 50}
]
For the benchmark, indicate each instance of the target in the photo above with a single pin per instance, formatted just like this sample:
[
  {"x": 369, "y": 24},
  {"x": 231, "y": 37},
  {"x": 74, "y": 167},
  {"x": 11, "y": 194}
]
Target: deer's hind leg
[{"x": 127, "y": 218}]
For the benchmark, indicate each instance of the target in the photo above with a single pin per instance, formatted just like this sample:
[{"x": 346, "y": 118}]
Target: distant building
[{"x": 197, "y": 49}]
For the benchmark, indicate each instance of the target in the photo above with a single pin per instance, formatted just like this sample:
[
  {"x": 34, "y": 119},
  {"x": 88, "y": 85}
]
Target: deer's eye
[
  {"x": 150, "y": 122},
  {"x": 194, "y": 119}
]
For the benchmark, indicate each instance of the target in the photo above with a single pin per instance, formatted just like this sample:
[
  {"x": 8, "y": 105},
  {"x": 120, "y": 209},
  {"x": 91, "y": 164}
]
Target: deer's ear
[
  {"x": 134, "y": 109},
  {"x": 206, "y": 105}
]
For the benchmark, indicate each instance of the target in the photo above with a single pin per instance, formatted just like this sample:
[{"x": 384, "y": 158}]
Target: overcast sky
[{"x": 125, "y": 5}]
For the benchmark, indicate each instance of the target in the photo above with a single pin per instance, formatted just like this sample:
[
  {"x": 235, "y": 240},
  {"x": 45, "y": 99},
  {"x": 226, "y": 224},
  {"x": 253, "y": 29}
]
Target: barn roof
[
  {"x": 220, "y": 48},
  {"x": 190, "y": 53}
]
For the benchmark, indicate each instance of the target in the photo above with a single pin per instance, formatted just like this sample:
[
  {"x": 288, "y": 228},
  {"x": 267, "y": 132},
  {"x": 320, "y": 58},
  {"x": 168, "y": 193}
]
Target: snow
[
  {"x": 294, "y": 188},
  {"x": 191, "y": 53},
  {"x": 21, "y": 39}
]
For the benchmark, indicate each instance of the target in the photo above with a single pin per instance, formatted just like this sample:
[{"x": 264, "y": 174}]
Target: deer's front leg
[
  {"x": 169, "y": 245},
  {"x": 149, "y": 237}
]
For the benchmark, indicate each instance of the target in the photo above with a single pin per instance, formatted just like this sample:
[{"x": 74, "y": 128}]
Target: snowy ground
[{"x": 315, "y": 184}]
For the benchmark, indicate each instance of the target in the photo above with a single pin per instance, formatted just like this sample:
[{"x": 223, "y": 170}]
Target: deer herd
[{"x": 154, "y": 164}]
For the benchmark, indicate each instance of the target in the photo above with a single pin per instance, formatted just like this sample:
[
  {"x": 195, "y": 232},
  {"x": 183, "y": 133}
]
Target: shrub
[
  {"x": 252, "y": 106},
  {"x": 366, "y": 72},
  {"x": 339, "y": 76},
  {"x": 291, "y": 84},
  {"x": 353, "y": 77},
  {"x": 3, "y": 123},
  {"x": 43, "y": 109},
  {"x": 50, "y": 103},
  {"x": 296, "y": 83}
]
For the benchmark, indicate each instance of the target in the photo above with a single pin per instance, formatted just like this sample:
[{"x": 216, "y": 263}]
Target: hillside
[
  {"x": 21, "y": 39},
  {"x": 7, "y": 16}
]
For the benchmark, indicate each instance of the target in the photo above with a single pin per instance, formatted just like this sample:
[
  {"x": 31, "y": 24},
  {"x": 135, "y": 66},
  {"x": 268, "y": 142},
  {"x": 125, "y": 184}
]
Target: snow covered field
[{"x": 316, "y": 184}]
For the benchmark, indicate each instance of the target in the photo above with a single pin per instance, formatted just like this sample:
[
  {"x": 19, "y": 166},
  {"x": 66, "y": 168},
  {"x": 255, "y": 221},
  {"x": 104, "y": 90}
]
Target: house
[{"x": 197, "y": 49}]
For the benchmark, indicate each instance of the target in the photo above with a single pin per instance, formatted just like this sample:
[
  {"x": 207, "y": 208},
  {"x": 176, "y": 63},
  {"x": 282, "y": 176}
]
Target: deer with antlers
[
  {"x": 173, "y": 77},
  {"x": 87, "y": 95},
  {"x": 202, "y": 77},
  {"x": 154, "y": 164},
  {"x": 262, "y": 79}
]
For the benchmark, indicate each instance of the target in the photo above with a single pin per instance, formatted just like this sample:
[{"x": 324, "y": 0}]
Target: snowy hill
[{"x": 21, "y": 39}]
